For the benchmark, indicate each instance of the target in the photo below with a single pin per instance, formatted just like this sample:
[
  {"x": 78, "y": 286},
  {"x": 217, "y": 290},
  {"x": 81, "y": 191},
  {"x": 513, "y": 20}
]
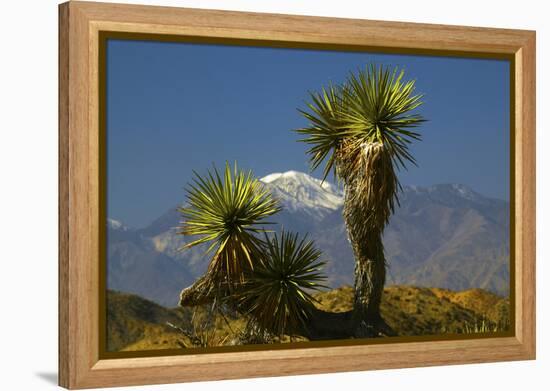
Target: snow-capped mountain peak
[
  {"x": 301, "y": 177},
  {"x": 277, "y": 175},
  {"x": 298, "y": 190}
]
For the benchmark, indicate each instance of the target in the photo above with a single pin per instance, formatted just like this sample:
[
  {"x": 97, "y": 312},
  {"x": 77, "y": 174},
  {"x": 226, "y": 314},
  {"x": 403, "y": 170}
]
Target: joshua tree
[
  {"x": 227, "y": 213},
  {"x": 267, "y": 279},
  {"x": 362, "y": 129}
]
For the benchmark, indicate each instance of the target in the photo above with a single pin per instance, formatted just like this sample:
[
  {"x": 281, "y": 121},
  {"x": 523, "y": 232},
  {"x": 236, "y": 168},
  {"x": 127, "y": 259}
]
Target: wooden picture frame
[{"x": 80, "y": 26}]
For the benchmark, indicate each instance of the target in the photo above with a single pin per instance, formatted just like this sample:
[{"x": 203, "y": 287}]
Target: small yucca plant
[
  {"x": 275, "y": 294},
  {"x": 483, "y": 326},
  {"x": 228, "y": 212}
]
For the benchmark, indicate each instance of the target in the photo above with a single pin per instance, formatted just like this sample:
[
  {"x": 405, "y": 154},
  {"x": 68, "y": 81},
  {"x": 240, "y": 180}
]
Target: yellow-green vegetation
[
  {"x": 430, "y": 311},
  {"x": 138, "y": 324}
]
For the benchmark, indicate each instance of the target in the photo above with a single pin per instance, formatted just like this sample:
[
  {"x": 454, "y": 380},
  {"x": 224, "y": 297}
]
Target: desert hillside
[
  {"x": 427, "y": 311},
  {"x": 135, "y": 323},
  {"x": 131, "y": 318}
]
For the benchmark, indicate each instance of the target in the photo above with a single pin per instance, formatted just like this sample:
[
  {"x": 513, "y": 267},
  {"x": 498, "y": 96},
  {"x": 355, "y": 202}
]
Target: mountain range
[{"x": 445, "y": 236}]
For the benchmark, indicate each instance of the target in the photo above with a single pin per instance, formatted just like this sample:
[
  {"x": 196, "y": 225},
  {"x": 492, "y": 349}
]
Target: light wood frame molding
[{"x": 80, "y": 365}]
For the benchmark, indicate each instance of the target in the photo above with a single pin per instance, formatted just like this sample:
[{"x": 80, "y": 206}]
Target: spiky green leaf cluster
[
  {"x": 276, "y": 293},
  {"x": 373, "y": 106},
  {"x": 326, "y": 130},
  {"x": 227, "y": 212}
]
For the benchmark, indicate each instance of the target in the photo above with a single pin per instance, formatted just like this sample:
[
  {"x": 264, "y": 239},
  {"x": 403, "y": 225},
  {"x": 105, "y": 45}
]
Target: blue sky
[{"x": 177, "y": 107}]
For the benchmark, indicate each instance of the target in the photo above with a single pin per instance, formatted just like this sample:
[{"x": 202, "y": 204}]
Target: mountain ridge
[{"x": 445, "y": 235}]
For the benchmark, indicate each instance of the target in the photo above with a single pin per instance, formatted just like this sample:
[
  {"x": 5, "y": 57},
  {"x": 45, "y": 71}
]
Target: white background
[{"x": 28, "y": 214}]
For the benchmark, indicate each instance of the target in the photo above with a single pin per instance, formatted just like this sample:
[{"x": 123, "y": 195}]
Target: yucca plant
[
  {"x": 362, "y": 130},
  {"x": 482, "y": 326},
  {"x": 277, "y": 294},
  {"x": 228, "y": 213}
]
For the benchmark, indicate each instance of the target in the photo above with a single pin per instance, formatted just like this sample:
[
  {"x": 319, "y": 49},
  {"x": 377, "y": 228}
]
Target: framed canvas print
[{"x": 247, "y": 195}]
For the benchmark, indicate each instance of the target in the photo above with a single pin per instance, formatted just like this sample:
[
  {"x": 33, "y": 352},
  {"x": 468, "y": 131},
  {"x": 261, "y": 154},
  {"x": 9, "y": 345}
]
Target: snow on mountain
[
  {"x": 298, "y": 191},
  {"x": 116, "y": 225}
]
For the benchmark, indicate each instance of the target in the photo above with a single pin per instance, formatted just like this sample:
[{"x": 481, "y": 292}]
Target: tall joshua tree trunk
[
  {"x": 370, "y": 192},
  {"x": 370, "y": 275}
]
